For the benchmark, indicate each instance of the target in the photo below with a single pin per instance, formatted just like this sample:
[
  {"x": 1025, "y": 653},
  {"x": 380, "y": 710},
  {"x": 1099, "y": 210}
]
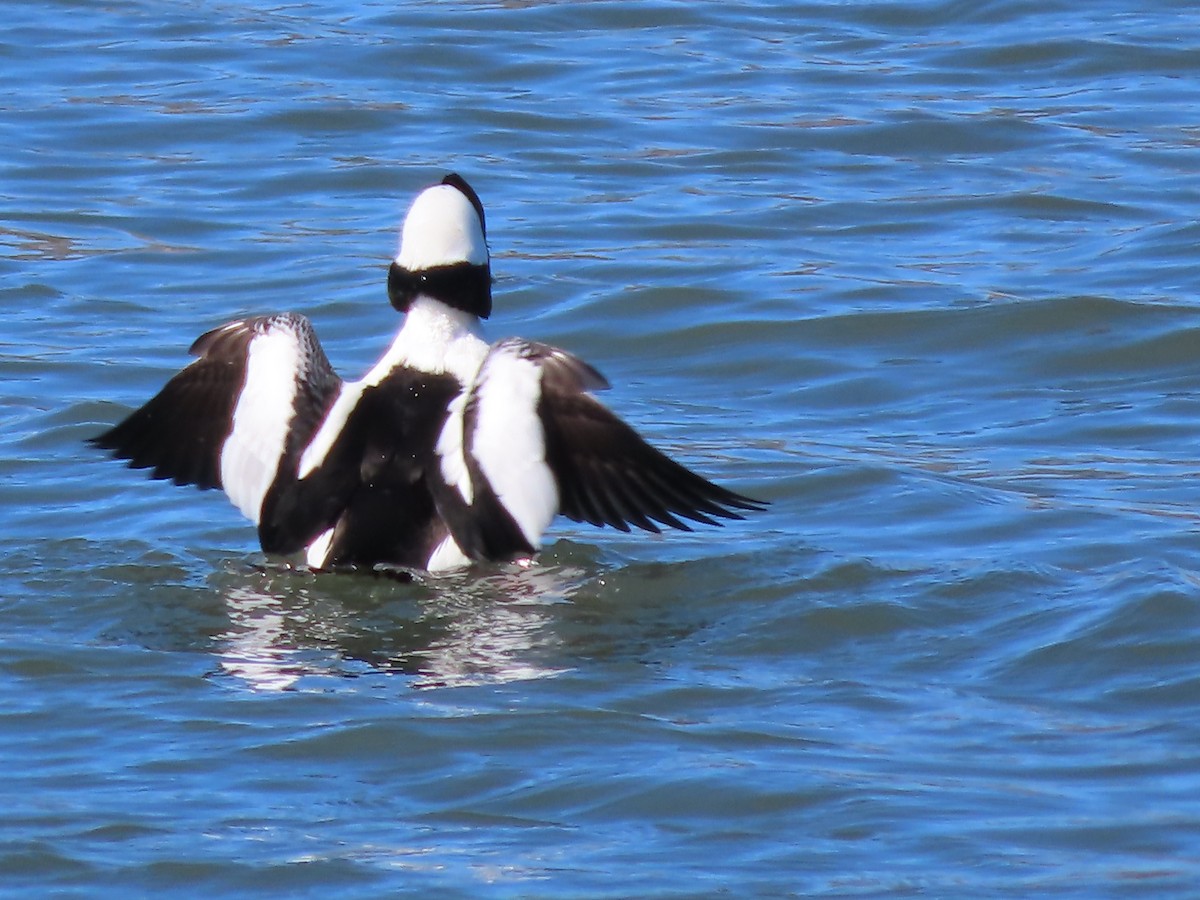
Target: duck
[{"x": 449, "y": 451}]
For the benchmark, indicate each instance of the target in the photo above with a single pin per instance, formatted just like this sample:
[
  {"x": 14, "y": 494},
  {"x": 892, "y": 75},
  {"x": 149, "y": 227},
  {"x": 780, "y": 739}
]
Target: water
[{"x": 921, "y": 274}]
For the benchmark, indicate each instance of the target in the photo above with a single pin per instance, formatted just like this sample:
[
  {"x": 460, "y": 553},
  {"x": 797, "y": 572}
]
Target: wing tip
[{"x": 742, "y": 502}]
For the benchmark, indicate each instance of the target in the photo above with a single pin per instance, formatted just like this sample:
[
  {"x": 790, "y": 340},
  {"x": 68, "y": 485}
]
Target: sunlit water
[{"x": 923, "y": 275}]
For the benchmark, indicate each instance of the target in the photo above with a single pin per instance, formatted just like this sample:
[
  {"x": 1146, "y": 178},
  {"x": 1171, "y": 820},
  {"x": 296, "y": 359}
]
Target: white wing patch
[
  {"x": 318, "y": 448},
  {"x": 446, "y": 556},
  {"x": 508, "y": 441},
  {"x": 250, "y": 455},
  {"x": 450, "y": 450},
  {"x": 318, "y": 550}
]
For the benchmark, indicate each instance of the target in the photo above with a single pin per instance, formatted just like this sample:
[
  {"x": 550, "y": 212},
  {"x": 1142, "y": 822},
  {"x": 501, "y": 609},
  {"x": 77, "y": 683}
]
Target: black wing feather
[
  {"x": 179, "y": 432},
  {"x": 606, "y": 473}
]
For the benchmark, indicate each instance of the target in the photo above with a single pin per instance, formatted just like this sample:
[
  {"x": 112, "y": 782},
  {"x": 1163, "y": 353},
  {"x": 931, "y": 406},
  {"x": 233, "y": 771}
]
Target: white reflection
[
  {"x": 286, "y": 625},
  {"x": 498, "y": 628},
  {"x": 256, "y": 648}
]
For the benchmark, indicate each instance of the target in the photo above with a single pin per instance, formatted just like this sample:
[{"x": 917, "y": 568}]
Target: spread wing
[
  {"x": 534, "y": 434},
  {"x": 607, "y": 474},
  {"x": 256, "y": 393}
]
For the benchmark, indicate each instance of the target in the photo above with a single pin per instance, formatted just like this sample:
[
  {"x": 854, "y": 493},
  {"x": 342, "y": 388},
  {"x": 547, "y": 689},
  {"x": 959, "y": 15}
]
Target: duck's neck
[{"x": 435, "y": 338}]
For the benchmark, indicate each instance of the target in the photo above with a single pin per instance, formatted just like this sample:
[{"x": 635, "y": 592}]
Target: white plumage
[
  {"x": 441, "y": 228},
  {"x": 509, "y": 439},
  {"x": 450, "y": 453},
  {"x": 261, "y": 419}
]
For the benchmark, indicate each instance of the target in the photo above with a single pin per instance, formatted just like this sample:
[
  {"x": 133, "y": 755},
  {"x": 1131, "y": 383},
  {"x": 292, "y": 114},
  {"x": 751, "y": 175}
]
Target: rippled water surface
[{"x": 922, "y": 274}]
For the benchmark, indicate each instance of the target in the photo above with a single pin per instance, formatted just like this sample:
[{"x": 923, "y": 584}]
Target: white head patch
[{"x": 441, "y": 228}]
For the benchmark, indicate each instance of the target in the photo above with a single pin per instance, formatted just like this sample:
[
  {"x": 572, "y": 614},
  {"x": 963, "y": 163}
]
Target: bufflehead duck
[{"x": 450, "y": 450}]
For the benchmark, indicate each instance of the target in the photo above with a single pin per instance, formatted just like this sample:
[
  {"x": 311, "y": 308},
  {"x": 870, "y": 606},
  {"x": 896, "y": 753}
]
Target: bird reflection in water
[{"x": 287, "y": 626}]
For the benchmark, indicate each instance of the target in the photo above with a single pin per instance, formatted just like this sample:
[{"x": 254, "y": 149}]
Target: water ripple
[{"x": 921, "y": 273}]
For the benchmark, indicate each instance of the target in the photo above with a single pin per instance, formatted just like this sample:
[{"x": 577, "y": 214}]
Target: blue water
[{"x": 922, "y": 274}]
